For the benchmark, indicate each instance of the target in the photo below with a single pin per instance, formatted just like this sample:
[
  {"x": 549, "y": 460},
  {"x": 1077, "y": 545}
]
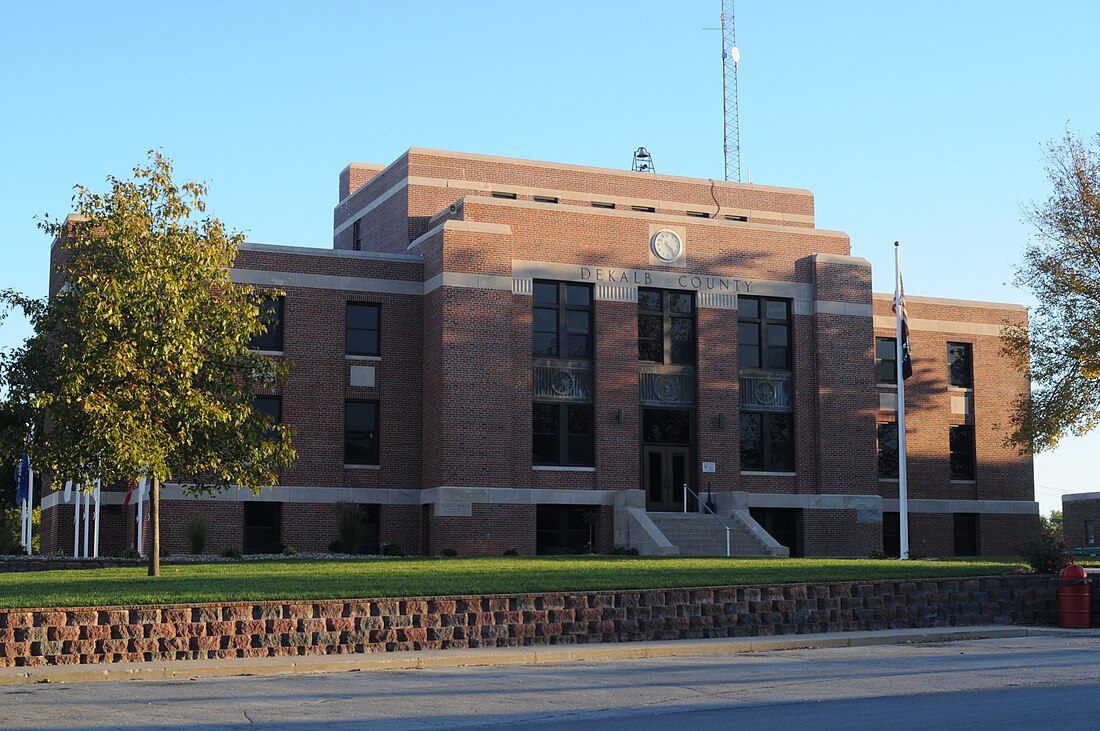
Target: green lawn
[{"x": 301, "y": 579}]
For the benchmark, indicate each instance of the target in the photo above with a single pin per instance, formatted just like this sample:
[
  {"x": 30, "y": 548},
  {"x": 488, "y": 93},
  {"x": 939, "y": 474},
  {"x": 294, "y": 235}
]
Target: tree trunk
[{"x": 154, "y": 518}]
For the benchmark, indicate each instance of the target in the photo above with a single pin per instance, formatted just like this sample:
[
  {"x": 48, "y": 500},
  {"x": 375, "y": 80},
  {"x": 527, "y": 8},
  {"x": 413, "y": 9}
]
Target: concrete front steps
[{"x": 696, "y": 534}]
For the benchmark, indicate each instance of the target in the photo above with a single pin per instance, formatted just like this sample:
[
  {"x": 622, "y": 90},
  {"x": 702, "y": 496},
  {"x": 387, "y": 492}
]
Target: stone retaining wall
[{"x": 30, "y": 637}]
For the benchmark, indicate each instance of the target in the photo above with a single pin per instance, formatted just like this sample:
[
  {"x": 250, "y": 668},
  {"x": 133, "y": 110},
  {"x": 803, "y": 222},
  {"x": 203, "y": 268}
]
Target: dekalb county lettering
[{"x": 641, "y": 278}]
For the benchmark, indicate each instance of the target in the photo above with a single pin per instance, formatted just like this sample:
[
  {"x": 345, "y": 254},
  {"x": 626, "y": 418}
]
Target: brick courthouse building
[{"x": 503, "y": 354}]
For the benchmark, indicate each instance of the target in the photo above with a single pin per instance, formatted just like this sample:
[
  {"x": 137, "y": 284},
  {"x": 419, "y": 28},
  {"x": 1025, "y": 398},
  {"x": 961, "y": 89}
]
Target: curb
[{"x": 543, "y": 654}]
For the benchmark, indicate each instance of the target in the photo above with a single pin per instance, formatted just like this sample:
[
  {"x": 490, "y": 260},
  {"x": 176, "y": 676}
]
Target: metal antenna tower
[{"x": 731, "y": 134}]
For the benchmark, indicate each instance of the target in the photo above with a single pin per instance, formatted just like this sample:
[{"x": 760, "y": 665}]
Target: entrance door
[{"x": 665, "y": 472}]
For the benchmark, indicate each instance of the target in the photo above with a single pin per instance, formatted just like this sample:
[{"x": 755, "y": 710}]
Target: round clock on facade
[{"x": 666, "y": 245}]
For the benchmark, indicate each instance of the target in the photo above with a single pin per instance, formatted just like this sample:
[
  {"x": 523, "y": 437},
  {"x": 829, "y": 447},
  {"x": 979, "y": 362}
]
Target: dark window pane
[
  {"x": 962, "y": 452},
  {"x": 269, "y": 405},
  {"x": 544, "y": 344},
  {"x": 777, "y": 310},
  {"x": 545, "y": 418},
  {"x": 577, "y": 322},
  {"x": 888, "y": 450},
  {"x": 683, "y": 341},
  {"x": 271, "y": 315},
  {"x": 748, "y": 333},
  {"x": 649, "y": 300},
  {"x": 361, "y": 432},
  {"x": 578, "y": 294},
  {"x": 545, "y": 320},
  {"x": 650, "y": 351},
  {"x": 752, "y": 445},
  {"x": 649, "y": 327},
  {"x": 362, "y": 327},
  {"x": 579, "y": 424},
  {"x": 666, "y": 426},
  {"x": 749, "y": 355},
  {"x": 679, "y": 303},
  {"x": 886, "y": 364},
  {"x": 546, "y": 293},
  {"x": 778, "y": 336},
  {"x": 781, "y": 437},
  {"x": 579, "y": 346},
  {"x": 361, "y": 342},
  {"x": 778, "y": 359},
  {"x": 748, "y": 308},
  {"x": 959, "y": 365},
  {"x": 362, "y": 315}
]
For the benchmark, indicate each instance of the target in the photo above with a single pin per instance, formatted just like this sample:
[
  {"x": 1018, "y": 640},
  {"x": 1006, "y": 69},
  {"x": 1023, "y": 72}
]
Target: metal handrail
[{"x": 707, "y": 508}]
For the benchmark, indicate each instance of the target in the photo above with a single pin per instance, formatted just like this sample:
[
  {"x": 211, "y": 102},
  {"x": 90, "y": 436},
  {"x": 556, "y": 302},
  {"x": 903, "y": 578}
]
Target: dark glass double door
[{"x": 666, "y": 458}]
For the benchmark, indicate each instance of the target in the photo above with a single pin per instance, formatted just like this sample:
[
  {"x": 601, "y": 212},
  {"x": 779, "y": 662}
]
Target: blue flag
[{"x": 22, "y": 479}]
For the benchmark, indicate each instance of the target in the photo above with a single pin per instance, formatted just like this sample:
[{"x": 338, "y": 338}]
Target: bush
[
  {"x": 10, "y": 530},
  {"x": 511, "y": 552},
  {"x": 561, "y": 551},
  {"x": 878, "y": 555},
  {"x": 336, "y": 547},
  {"x": 230, "y": 552},
  {"x": 448, "y": 553},
  {"x": 1046, "y": 554},
  {"x": 392, "y": 549},
  {"x": 289, "y": 551},
  {"x": 350, "y": 528},
  {"x": 196, "y": 535},
  {"x": 624, "y": 551},
  {"x": 127, "y": 553}
]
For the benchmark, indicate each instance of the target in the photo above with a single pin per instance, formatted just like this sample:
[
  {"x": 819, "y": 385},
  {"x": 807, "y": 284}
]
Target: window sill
[
  {"x": 557, "y": 468},
  {"x": 266, "y": 352},
  {"x": 349, "y": 356},
  {"x": 964, "y": 482},
  {"x": 763, "y": 473},
  {"x": 889, "y": 479},
  {"x": 960, "y": 389},
  {"x": 892, "y": 386},
  {"x": 362, "y": 467}
]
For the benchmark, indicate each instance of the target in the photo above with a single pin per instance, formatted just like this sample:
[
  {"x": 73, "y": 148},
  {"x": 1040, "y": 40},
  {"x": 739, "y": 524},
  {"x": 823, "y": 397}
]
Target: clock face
[{"x": 666, "y": 245}]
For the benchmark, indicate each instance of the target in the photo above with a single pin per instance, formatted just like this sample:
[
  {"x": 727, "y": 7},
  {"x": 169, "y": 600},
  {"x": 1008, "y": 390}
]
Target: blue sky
[{"x": 923, "y": 122}]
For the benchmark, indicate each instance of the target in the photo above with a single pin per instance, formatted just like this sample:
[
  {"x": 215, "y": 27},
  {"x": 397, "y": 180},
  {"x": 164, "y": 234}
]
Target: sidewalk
[{"x": 541, "y": 654}]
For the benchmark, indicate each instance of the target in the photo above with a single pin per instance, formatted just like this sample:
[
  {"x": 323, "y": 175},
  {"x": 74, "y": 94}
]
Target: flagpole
[
  {"x": 30, "y": 509},
  {"x": 140, "y": 506},
  {"x": 903, "y": 487},
  {"x": 76, "y": 521},
  {"x": 87, "y": 510},
  {"x": 98, "y": 494}
]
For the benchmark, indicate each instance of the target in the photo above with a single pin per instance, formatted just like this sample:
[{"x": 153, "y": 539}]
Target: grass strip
[{"x": 419, "y": 577}]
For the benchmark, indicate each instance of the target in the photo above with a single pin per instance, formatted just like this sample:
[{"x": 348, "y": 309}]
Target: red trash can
[{"x": 1073, "y": 598}]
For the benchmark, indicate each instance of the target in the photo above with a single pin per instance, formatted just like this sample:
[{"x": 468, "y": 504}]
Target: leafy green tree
[
  {"x": 140, "y": 363},
  {"x": 1061, "y": 268}
]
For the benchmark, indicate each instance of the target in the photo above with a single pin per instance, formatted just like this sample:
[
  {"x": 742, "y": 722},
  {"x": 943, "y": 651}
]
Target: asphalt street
[{"x": 1030, "y": 682}]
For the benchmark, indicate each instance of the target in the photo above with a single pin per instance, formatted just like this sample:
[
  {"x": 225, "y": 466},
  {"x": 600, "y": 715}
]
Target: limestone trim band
[{"x": 888, "y": 322}]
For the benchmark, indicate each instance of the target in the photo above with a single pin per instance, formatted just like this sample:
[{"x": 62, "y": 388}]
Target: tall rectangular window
[
  {"x": 562, "y": 430},
  {"x": 888, "y": 450},
  {"x": 271, "y": 315},
  {"x": 363, "y": 321},
  {"x": 962, "y": 452},
  {"x": 361, "y": 432},
  {"x": 886, "y": 360},
  {"x": 357, "y": 235},
  {"x": 562, "y": 320},
  {"x": 764, "y": 333},
  {"x": 1090, "y": 536},
  {"x": 767, "y": 442},
  {"x": 666, "y": 327},
  {"x": 960, "y": 365}
]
